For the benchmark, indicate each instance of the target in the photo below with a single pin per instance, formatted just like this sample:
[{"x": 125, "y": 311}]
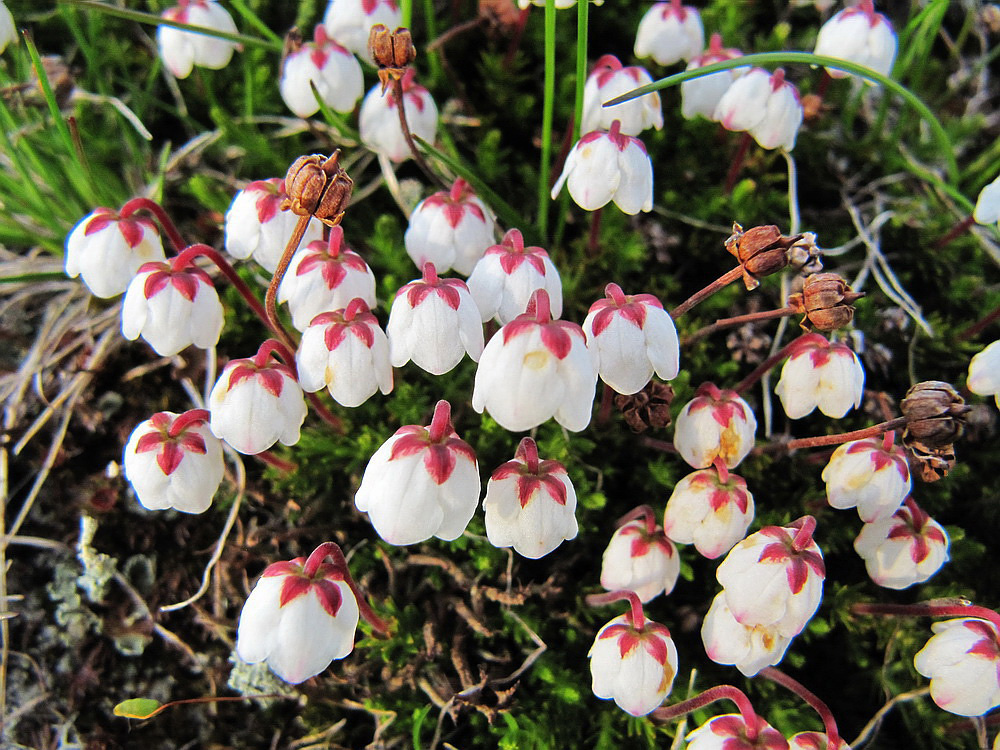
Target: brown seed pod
[
  {"x": 929, "y": 464},
  {"x": 392, "y": 51},
  {"x": 936, "y": 414},
  {"x": 760, "y": 250},
  {"x": 826, "y": 301},
  {"x": 318, "y": 186},
  {"x": 650, "y": 407}
]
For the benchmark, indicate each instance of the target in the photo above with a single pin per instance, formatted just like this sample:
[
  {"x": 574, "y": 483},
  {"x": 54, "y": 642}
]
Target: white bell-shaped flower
[
  {"x": 907, "y": 548},
  {"x": 820, "y": 373},
  {"x": 325, "y": 276},
  {"x": 670, "y": 32},
  {"x": 984, "y": 372},
  {"x": 607, "y": 166},
  {"x": 700, "y": 96},
  {"x": 434, "y": 322},
  {"x": 860, "y": 35},
  {"x": 872, "y": 475},
  {"x": 962, "y": 660},
  {"x": 987, "y": 210},
  {"x": 715, "y": 424},
  {"x": 508, "y": 274},
  {"x": 729, "y": 731},
  {"x": 609, "y": 79},
  {"x": 530, "y": 504},
  {"x": 107, "y": 250},
  {"x": 257, "y": 402},
  {"x": 633, "y": 337},
  {"x": 174, "y": 461},
  {"x": 181, "y": 50},
  {"x": 535, "y": 368},
  {"x": 450, "y": 229},
  {"x": 640, "y": 558},
  {"x": 775, "y": 577},
  {"x": 331, "y": 68},
  {"x": 350, "y": 22},
  {"x": 378, "y": 120},
  {"x": 422, "y": 482},
  {"x": 8, "y": 31},
  {"x": 347, "y": 353},
  {"x": 749, "y": 648},
  {"x": 711, "y": 509},
  {"x": 255, "y": 224},
  {"x": 172, "y": 309},
  {"x": 634, "y": 663},
  {"x": 765, "y": 105}
]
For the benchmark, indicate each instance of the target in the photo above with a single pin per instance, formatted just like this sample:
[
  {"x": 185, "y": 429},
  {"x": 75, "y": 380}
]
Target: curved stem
[
  {"x": 528, "y": 449},
  {"x": 721, "y": 469},
  {"x": 271, "y": 298},
  {"x": 277, "y": 348},
  {"x": 782, "y": 58},
  {"x": 278, "y": 463},
  {"x": 739, "y": 320},
  {"x": 169, "y": 228},
  {"x": 333, "y": 551},
  {"x": 440, "y": 426},
  {"x": 324, "y": 413},
  {"x": 635, "y": 613},
  {"x": 398, "y": 95},
  {"x": 829, "y": 723},
  {"x": 928, "y": 609},
  {"x": 548, "y": 107},
  {"x": 976, "y": 328},
  {"x": 767, "y": 364},
  {"x": 700, "y": 296},
  {"x": 204, "y": 251},
  {"x": 719, "y": 692},
  {"x": 844, "y": 437},
  {"x": 643, "y": 512},
  {"x": 804, "y": 536}
]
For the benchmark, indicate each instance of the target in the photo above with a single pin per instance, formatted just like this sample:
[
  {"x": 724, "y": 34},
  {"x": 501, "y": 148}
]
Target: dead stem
[
  {"x": 700, "y": 296},
  {"x": 397, "y": 94},
  {"x": 736, "y": 321}
]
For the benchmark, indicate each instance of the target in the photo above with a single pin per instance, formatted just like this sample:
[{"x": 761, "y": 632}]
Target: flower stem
[
  {"x": 440, "y": 426},
  {"x": 739, "y": 320},
  {"x": 641, "y": 512},
  {"x": 767, "y": 364},
  {"x": 594, "y": 238},
  {"x": 278, "y": 463},
  {"x": 719, "y": 692},
  {"x": 548, "y": 107},
  {"x": 169, "y": 228},
  {"x": 398, "y": 95},
  {"x": 844, "y": 437},
  {"x": 336, "y": 554},
  {"x": 188, "y": 419},
  {"x": 582, "y": 20},
  {"x": 271, "y": 298},
  {"x": 635, "y": 614},
  {"x": 829, "y": 723},
  {"x": 976, "y": 328},
  {"x": 953, "y": 608},
  {"x": 700, "y": 296},
  {"x": 736, "y": 165}
]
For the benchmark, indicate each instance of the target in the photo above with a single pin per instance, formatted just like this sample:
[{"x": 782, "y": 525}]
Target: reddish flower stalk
[
  {"x": 719, "y": 692},
  {"x": 804, "y": 536},
  {"x": 278, "y": 463},
  {"x": 284, "y": 354},
  {"x": 169, "y": 228},
  {"x": 635, "y": 614},
  {"x": 976, "y": 328},
  {"x": 594, "y": 239},
  {"x": 737, "y": 164},
  {"x": 700, "y": 296},
  {"x": 186, "y": 258},
  {"x": 271, "y": 298},
  {"x": 953, "y": 608},
  {"x": 829, "y": 723},
  {"x": 959, "y": 229},
  {"x": 643, "y": 512},
  {"x": 397, "y": 93},
  {"x": 188, "y": 419},
  {"x": 332, "y": 551},
  {"x": 440, "y": 426},
  {"x": 739, "y": 320},
  {"x": 844, "y": 437},
  {"x": 768, "y": 363}
]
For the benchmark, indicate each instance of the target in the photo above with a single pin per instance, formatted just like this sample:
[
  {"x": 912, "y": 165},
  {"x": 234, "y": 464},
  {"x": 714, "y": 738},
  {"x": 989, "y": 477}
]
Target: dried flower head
[
  {"x": 826, "y": 301},
  {"x": 392, "y": 52},
  {"x": 760, "y": 250},
  {"x": 936, "y": 414},
  {"x": 318, "y": 186}
]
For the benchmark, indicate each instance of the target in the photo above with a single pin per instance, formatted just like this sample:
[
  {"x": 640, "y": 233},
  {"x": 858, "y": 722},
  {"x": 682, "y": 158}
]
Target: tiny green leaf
[{"x": 138, "y": 708}]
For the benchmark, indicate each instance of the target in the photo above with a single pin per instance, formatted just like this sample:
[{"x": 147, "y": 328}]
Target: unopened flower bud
[
  {"x": 760, "y": 250},
  {"x": 318, "y": 186},
  {"x": 936, "y": 414},
  {"x": 391, "y": 50},
  {"x": 826, "y": 301}
]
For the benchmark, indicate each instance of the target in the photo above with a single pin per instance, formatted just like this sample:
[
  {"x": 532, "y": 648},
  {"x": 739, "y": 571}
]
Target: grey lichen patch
[
  {"x": 257, "y": 679},
  {"x": 98, "y": 568}
]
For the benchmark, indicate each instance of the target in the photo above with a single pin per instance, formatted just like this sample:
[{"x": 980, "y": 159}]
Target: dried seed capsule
[
  {"x": 392, "y": 51},
  {"x": 936, "y": 414},
  {"x": 318, "y": 186},
  {"x": 760, "y": 250},
  {"x": 929, "y": 464},
  {"x": 826, "y": 300},
  {"x": 650, "y": 407}
]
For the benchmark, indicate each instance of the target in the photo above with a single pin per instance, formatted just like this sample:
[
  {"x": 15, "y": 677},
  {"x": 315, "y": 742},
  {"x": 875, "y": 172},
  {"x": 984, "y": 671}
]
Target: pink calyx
[
  {"x": 173, "y": 438},
  {"x": 439, "y": 442},
  {"x": 532, "y": 474}
]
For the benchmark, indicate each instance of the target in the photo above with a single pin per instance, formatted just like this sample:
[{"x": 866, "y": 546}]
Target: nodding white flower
[
  {"x": 8, "y": 31},
  {"x": 749, "y": 648},
  {"x": 714, "y": 424},
  {"x": 987, "y": 209},
  {"x": 434, "y": 322},
  {"x": 765, "y": 105},
  {"x": 422, "y": 482},
  {"x": 530, "y": 504},
  {"x": 302, "y": 614},
  {"x": 775, "y": 577},
  {"x": 378, "y": 121},
  {"x": 535, "y": 368},
  {"x": 700, "y": 96},
  {"x": 984, "y": 371},
  {"x": 172, "y": 309},
  {"x": 711, "y": 509},
  {"x": 609, "y": 79},
  {"x": 814, "y": 741},
  {"x": 640, "y": 558},
  {"x": 907, "y": 548},
  {"x": 182, "y": 49},
  {"x": 174, "y": 461},
  {"x": 325, "y": 276},
  {"x": 608, "y": 166},
  {"x": 729, "y": 732},
  {"x": 256, "y": 225},
  {"x": 450, "y": 229},
  {"x": 331, "y": 68},
  {"x": 508, "y": 274},
  {"x": 670, "y": 32},
  {"x": 633, "y": 337},
  {"x": 820, "y": 373},
  {"x": 962, "y": 660},
  {"x": 860, "y": 35},
  {"x": 347, "y": 353},
  {"x": 633, "y": 663},
  {"x": 350, "y": 22},
  {"x": 256, "y": 402},
  {"x": 107, "y": 250},
  {"x": 871, "y": 474}
]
